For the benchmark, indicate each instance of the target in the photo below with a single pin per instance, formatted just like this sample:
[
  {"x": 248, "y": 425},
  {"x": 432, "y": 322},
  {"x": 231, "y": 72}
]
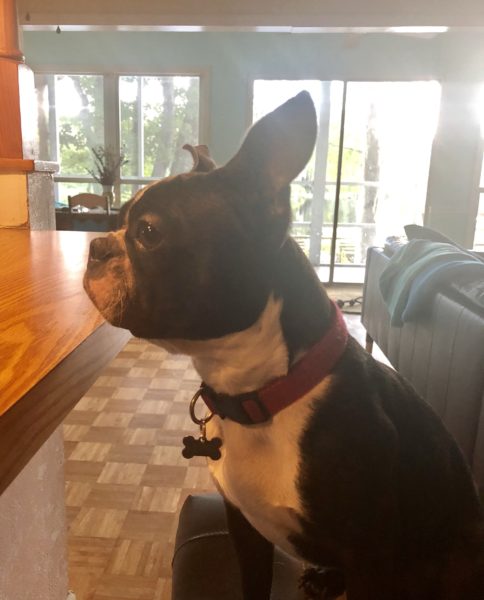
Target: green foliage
[
  {"x": 168, "y": 121},
  {"x": 78, "y": 133}
]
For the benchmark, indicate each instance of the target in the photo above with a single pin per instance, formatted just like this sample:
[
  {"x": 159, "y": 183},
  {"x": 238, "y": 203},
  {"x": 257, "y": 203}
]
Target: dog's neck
[
  {"x": 243, "y": 361},
  {"x": 295, "y": 317}
]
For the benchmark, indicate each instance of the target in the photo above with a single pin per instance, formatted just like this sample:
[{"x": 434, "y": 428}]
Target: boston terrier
[{"x": 315, "y": 446}]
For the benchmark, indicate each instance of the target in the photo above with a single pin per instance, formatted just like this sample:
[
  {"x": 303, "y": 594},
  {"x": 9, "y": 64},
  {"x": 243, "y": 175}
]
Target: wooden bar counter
[{"x": 53, "y": 342}]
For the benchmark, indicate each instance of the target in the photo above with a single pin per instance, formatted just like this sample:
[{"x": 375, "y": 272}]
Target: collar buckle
[
  {"x": 255, "y": 408},
  {"x": 248, "y": 409}
]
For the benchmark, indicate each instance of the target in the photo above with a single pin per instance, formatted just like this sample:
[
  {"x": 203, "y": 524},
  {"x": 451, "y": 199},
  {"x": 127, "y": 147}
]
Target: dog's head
[{"x": 193, "y": 259}]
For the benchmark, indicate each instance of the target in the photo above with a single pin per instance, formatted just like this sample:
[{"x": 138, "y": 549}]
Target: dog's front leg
[{"x": 255, "y": 555}]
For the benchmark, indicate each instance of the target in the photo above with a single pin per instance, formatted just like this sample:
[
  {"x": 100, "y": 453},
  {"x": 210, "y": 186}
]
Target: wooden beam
[
  {"x": 13, "y": 83},
  {"x": 16, "y": 165},
  {"x": 10, "y": 122},
  {"x": 9, "y": 39}
]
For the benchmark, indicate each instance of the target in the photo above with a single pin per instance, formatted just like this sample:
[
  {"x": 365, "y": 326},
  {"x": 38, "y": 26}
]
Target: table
[{"x": 53, "y": 342}]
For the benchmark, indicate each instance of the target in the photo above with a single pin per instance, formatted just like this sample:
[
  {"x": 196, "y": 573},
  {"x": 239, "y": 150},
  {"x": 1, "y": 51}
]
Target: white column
[{"x": 452, "y": 196}]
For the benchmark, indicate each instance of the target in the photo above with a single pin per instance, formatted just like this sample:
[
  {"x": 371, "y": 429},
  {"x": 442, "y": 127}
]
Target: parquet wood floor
[{"x": 125, "y": 477}]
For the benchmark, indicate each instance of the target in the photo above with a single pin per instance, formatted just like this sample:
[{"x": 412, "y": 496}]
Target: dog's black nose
[{"x": 101, "y": 249}]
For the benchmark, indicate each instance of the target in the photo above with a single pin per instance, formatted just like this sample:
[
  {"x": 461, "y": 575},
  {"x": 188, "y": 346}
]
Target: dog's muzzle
[
  {"x": 108, "y": 277},
  {"x": 104, "y": 248},
  {"x": 100, "y": 250}
]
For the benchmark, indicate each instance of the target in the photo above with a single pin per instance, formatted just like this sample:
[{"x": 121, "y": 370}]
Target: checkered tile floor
[{"x": 125, "y": 477}]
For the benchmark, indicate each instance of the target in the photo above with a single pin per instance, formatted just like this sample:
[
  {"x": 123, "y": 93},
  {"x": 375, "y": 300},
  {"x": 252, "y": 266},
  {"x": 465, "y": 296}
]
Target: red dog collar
[{"x": 259, "y": 406}]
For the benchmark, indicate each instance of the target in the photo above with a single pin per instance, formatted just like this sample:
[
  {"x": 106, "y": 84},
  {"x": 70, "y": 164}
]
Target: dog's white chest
[
  {"x": 259, "y": 469},
  {"x": 258, "y": 473}
]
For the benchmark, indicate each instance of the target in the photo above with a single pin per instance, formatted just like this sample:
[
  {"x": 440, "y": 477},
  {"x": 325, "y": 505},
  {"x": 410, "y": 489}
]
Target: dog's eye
[{"x": 148, "y": 235}]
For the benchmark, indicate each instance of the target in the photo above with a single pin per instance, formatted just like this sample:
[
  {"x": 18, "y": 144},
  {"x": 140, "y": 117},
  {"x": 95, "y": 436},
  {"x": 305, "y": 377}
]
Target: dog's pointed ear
[
  {"x": 202, "y": 161},
  {"x": 277, "y": 147}
]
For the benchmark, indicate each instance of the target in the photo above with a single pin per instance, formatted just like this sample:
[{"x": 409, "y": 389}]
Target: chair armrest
[{"x": 205, "y": 564}]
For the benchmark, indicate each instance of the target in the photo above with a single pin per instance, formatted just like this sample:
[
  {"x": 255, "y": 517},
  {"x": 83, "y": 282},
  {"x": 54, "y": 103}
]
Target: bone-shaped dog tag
[{"x": 202, "y": 447}]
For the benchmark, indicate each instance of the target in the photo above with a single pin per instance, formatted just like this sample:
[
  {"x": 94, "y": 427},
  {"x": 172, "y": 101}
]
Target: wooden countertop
[
  {"x": 44, "y": 312},
  {"x": 53, "y": 342}
]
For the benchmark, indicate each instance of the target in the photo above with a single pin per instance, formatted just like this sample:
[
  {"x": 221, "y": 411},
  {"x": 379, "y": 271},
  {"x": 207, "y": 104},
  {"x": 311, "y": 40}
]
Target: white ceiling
[{"x": 281, "y": 15}]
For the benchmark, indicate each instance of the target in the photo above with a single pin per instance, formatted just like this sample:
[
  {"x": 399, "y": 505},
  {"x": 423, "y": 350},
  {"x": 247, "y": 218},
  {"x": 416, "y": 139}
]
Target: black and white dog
[{"x": 323, "y": 451}]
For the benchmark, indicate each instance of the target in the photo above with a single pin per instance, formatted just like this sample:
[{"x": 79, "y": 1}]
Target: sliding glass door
[{"x": 368, "y": 174}]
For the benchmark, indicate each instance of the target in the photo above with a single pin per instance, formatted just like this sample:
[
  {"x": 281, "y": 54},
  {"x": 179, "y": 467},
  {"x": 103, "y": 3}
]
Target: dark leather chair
[{"x": 205, "y": 565}]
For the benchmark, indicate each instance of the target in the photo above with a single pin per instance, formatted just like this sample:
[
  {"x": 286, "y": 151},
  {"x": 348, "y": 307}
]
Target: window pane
[
  {"x": 45, "y": 88},
  {"x": 158, "y": 116},
  {"x": 271, "y": 93},
  {"x": 479, "y": 233},
  {"x": 128, "y": 190},
  {"x": 71, "y": 120},
  {"x": 65, "y": 189},
  {"x": 301, "y": 198}
]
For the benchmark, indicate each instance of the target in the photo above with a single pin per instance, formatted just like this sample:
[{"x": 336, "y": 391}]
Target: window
[
  {"x": 71, "y": 121},
  {"x": 368, "y": 175},
  {"x": 157, "y": 115}
]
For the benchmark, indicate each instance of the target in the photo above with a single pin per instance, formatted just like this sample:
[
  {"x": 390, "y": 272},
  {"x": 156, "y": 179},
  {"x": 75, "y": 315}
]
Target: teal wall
[{"x": 230, "y": 61}]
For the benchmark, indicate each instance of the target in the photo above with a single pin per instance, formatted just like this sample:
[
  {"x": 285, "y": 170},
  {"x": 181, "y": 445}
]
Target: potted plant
[{"x": 107, "y": 164}]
